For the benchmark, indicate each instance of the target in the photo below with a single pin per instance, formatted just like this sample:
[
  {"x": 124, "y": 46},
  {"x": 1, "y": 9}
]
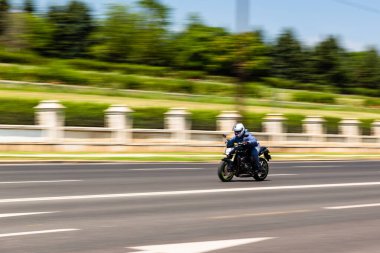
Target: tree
[
  {"x": 72, "y": 26},
  {"x": 245, "y": 56},
  {"x": 327, "y": 63},
  {"x": 117, "y": 37},
  {"x": 153, "y": 35},
  {"x": 192, "y": 46},
  {"x": 364, "y": 69},
  {"x": 4, "y": 8},
  {"x": 38, "y": 33},
  {"x": 287, "y": 55},
  {"x": 28, "y": 6}
]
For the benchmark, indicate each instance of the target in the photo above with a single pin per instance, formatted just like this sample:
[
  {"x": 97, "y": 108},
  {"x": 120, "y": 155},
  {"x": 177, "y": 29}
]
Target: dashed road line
[
  {"x": 41, "y": 182},
  {"x": 39, "y": 232},
  {"x": 259, "y": 214},
  {"x": 352, "y": 206},
  {"x": 7, "y": 215}
]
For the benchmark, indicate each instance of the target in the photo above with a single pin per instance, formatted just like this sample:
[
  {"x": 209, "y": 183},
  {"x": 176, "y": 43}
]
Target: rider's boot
[{"x": 256, "y": 166}]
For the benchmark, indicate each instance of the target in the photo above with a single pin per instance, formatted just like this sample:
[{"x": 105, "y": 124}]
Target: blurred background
[{"x": 222, "y": 61}]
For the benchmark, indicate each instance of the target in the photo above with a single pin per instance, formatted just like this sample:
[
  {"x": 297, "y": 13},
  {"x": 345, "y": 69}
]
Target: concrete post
[
  {"x": 274, "y": 126},
  {"x": 376, "y": 129},
  {"x": 177, "y": 120},
  {"x": 119, "y": 118},
  {"x": 226, "y": 121},
  {"x": 350, "y": 129},
  {"x": 313, "y": 126},
  {"x": 50, "y": 115}
]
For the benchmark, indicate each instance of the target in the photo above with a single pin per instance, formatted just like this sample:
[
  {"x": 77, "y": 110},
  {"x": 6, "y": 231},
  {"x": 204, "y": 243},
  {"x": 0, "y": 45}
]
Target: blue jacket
[{"x": 246, "y": 137}]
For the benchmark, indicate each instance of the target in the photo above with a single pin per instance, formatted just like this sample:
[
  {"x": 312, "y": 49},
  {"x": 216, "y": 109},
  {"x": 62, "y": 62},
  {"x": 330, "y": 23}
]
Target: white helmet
[{"x": 239, "y": 130}]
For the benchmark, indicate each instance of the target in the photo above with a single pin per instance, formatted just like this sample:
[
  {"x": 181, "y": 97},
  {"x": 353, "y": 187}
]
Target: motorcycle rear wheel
[
  {"x": 262, "y": 174},
  {"x": 223, "y": 174}
]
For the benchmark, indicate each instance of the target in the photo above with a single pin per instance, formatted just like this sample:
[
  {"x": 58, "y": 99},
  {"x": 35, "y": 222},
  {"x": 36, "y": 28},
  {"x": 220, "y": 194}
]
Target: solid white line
[
  {"x": 281, "y": 175},
  {"x": 39, "y": 232},
  {"x": 260, "y": 214},
  {"x": 188, "y": 192},
  {"x": 352, "y": 206},
  {"x": 6, "y": 215},
  {"x": 166, "y": 169},
  {"x": 318, "y": 166},
  {"x": 40, "y": 182}
]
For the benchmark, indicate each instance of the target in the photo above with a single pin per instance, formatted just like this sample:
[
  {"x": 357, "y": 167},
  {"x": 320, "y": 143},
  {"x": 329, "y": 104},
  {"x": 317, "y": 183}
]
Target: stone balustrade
[{"x": 119, "y": 128}]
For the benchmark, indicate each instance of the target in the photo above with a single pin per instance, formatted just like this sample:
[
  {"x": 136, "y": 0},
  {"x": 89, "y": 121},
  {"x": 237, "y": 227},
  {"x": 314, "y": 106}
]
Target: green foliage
[
  {"x": 4, "y": 8},
  {"x": 84, "y": 114},
  {"x": 293, "y": 123},
  {"x": 149, "y": 118},
  {"x": 366, "y": 126},
  {"x": 289, "y": 84},
  {"x": 28, "y": 6},
  {"x": 372, "y": 102},
  {"x": 20, "y": 58},
  {"x": 364, "y": 68},
  {"x": 312, "y": 97},
  {"x": 17, "y": 111},
  {"x": 119, "y": 67},
  {"x": 73, "y": 25},
  {"x": 38, "y": 33},
  {"x": 204, "y": 119},
  {"x": 288, "y": 57},
  {"x": 332, "y": 125},
  {"x": 327, "y": 63},
  {"x": 253, "y": 121},
  {"x": 116, "y": 36}
]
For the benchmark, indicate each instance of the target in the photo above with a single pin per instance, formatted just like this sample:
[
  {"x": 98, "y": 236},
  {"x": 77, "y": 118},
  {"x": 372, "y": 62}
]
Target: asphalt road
[{"x": 184, "y": 208}]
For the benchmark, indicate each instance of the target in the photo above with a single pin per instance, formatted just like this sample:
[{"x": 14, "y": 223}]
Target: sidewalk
[{"x": 165, "y": 157}]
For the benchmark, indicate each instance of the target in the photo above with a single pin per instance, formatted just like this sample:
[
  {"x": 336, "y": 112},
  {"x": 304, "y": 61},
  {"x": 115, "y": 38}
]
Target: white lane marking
[
  {"x": 166, "y": 169},
  {"x": 6, "y": 215},
  {"x": 259, "y": 214},
  {"x": 282, "y": 175},
  {"x": 352, "y": 206},
  {"x": 39, "y": 232},
  {"x": 318, "y": 166},
  {"x": 40, "y": 182},
  {"x": 197, "y": 247},
  {"x": 188, "y": 192}
]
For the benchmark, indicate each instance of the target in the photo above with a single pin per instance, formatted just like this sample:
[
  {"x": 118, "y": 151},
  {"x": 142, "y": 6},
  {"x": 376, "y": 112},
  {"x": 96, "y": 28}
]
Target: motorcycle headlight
[{"x": 228, "y": 151}]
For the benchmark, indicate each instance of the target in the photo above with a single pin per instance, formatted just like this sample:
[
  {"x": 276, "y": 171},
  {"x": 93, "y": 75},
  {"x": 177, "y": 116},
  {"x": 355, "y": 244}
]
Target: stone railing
[{"x": 50, "y": 130}]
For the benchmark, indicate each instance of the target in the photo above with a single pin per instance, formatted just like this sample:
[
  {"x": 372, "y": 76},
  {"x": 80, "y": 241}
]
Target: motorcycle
[{"x": 238, "y": 163}]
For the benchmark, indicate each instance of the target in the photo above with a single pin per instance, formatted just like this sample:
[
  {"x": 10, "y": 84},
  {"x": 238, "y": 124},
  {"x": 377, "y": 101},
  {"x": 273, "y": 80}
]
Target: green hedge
[
  {"x": 293, "y": 123},
  {"x": 372, "y": 102},
  {"x": 84, "y": 114},
  {"x": 17, "y": 111},
  {"x": 59, "y": 73},
  {"x": 83, "y": 64},
  {"x": 332, "y": 125},
  {"x": 253, "y": 121},
  {"x": 366, "y": 126},
  {"x": 149, "y": 118},
  {"x": 289, "y": 84},
  {"x": 20, "y": 58},
  {"x": 312, "y": 97},
  {"x": 204, "y": 119}
]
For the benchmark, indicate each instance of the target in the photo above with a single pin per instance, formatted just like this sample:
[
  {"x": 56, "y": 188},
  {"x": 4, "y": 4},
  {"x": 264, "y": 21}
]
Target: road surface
[{"x": 184, "y": 208}]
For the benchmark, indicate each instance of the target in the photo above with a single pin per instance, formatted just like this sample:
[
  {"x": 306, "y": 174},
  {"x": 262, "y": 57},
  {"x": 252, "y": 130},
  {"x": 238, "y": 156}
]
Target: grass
[{"x": 156, "y": 99}]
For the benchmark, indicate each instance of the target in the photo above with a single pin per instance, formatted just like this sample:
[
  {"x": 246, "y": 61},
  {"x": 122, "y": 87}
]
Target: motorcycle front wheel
[{"x": 223, "y": 173}]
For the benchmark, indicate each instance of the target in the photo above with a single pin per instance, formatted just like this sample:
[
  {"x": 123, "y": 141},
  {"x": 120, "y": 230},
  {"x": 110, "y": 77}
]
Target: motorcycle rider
[{"x": 243, "y": 136}]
